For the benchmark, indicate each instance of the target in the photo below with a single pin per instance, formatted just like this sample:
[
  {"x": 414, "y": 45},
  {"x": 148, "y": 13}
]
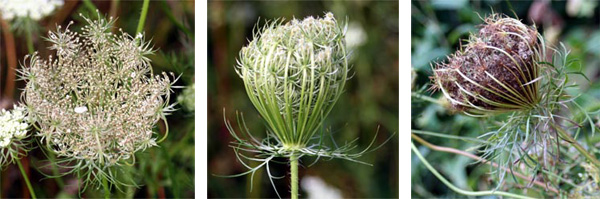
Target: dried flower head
[
  {"x": 13, "y": 131},
  {"x": 496, "y": 71},
  {"x": 33, "y": 9},
  {"x": 294, "y": 74},
  {"x": 97, "y": 101}
]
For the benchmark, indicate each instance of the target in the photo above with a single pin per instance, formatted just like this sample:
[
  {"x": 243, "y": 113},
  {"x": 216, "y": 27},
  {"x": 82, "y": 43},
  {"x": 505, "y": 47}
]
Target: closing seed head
[{"x": 496, "y": 71}]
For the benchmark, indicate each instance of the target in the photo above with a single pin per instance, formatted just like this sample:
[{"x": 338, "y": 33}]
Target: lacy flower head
[
  {"x": 13, "y": 131},
  {"x": 294, "y": 74},
  {"x": 496, "y": 71},
  {"x": 34, "y": 9},
  {"x": 96, "y": 102}
]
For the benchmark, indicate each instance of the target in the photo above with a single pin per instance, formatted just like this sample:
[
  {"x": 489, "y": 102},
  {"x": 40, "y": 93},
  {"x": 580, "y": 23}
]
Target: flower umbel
[
  {"x": 97, "y": 101},
  {"x": 34, "y": 9},
  {"x": 13, "y": 131},
  {"x": 294, "y": 73},
  {"x": 496, "y": 71}
]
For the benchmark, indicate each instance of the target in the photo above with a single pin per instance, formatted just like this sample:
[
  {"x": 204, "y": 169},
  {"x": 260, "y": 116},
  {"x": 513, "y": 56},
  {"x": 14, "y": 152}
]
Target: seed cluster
[
  {"x": 96, "y": 101},
  {"x": 496, "y": 70},
  {"x": 295, "y": 72}
]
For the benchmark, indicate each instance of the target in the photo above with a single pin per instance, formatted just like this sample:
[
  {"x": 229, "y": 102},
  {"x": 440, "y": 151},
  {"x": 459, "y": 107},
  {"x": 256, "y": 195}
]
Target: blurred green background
[
  {"x": 166, "y": 171},
  {"x": 370, "y": 100},
  {"x": 437, "y": 27}
]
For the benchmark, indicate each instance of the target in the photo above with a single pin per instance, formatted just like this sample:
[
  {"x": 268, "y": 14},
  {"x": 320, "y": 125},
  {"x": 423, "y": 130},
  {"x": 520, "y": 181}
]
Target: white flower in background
[
  {"x": 34, "y": 9},
  {"x": 186, "y": 99},
  {"x": 316, "y": 188},
  {"x": 13, "y": 129},
  {"x": 356, "y": 36}
]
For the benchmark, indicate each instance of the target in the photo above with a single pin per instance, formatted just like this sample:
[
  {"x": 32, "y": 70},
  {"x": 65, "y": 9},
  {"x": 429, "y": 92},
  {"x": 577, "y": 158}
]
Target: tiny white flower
[
  {"x": 4, "y": 142},
  {"x": 81, "y": 109},
  {"x": 20, "y": 134},
  {"x": 33, "y": 9}
]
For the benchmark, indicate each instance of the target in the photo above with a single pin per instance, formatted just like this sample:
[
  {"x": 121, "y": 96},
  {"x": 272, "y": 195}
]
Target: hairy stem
[
  {"x": 456, "y": 189},
  {"x": 576, "y": 144},
  {"x": 26, "y": 178},
  {"x": 467, "y": 154},
  {"x": 294, "y": 171},
  {"x": 140, "y": 26}
]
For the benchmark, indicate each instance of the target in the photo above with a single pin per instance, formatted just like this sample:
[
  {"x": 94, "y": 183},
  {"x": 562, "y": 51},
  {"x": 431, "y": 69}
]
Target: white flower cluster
[
  {"x": 34, "y": 9},
  {"x": 13, "y": 125}
]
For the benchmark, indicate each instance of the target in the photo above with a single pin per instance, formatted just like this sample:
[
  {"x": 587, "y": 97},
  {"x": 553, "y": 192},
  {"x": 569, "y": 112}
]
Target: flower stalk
[
  {"x": 577, "y": 146},
  {"x": 26, "y": 179},
  {"x": 294, "y": 173},
  {"x": 143, "y": 14}
]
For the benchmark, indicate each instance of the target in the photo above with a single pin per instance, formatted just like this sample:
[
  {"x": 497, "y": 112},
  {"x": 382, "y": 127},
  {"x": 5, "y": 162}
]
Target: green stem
[
  {"x": 90, "y": 6},
  {"x": 577, "y": 146},
  {"x": 59, "y": 181},
  {"x": 143, "y": 17},
  {"x": 106, "y": 189},
  {"x": 426, "y": 98},
  {"x": 294, "y": 171},
  {"x": 456, "y": 189},
  {"x": 31, "y": 192},
  {"x": 29, "y": 40}
]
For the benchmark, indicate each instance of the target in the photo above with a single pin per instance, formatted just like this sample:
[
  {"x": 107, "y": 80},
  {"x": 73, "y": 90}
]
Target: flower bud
[{"x": 294, "y": 74}]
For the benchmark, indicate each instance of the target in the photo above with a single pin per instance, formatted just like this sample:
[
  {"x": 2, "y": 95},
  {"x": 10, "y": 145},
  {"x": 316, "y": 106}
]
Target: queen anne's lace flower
[
  {"x": 34, "y": 9},
  {"x": 13, "y": 131},
  {"x": 97, "y": 101}
]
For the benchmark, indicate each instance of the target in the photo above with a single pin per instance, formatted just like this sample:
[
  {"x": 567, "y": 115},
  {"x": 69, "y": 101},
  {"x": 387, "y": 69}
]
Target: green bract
[{"x": 294, "y": 74}]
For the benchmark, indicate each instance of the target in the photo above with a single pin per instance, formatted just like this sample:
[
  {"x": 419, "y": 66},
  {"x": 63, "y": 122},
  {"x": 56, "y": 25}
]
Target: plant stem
[
  {"x": 31, "y": 192},
  {"x": 456, "y": 189},
  {"x": 467, "y": 154},
  {"x": 59, "y": 181},
  {"x": 577, "y": 146},
  {"x": 106, "y": 189},
  {"x": 90, "y": 6},
  {"x": 29, "y": 39},
  {"x": 143, "y": 16},
  {"x": 294, "y": 171}
]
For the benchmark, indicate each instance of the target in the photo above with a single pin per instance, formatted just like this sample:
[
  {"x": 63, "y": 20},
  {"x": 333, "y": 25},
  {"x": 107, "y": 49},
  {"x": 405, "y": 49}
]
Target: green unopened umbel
[{"x": 294, "y": 74}]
